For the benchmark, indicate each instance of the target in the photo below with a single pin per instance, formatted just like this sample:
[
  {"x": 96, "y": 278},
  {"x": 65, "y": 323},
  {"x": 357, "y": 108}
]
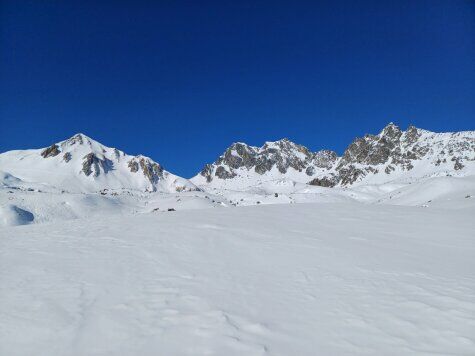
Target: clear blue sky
[{"x": 181, "y": 80}]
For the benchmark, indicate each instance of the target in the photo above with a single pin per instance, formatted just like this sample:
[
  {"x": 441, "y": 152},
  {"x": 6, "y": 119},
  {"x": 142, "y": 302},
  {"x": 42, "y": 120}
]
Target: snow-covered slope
[
  {"x": 392, "y": 155},
  {"x": 80, "y": 164},
  {"x": 298, "y": 279}
]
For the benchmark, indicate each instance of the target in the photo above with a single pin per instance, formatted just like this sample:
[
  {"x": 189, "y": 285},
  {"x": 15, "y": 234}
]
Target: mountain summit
[
  {"x": 244, "y": 164},
  {"x": 83, "y": 164}
]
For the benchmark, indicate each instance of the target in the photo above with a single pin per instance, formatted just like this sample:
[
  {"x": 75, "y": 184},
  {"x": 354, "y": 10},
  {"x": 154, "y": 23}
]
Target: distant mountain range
[
  {"x": 82, "y": 164},
  {"x": 391, "y": 155}
]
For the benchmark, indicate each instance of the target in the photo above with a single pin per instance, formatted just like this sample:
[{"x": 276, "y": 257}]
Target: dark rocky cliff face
[
  {"x": 150, "y": 169},
  {"x": 93, "y": 164},
  {"x": 372, "y": 150},
  {"x": 280, "y": 155},
  {"x": 395, "y": 148}
]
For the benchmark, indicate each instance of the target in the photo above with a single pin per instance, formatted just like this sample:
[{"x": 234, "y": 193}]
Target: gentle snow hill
[
  {"x": 46, "y": 204},
  {"x": 295, "y": 279},
  {"x": 440, "y": 192},
  {"x": 80, "y": 164}
]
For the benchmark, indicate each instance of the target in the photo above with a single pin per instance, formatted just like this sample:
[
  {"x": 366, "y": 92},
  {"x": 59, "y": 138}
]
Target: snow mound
[
  {"x": 7, "y": 179},
  {"x": 443, "y": 191},
  {"x": 12, "y": 215}
]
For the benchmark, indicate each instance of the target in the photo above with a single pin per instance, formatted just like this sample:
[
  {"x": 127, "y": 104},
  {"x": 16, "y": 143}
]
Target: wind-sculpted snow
[
  {"x": 298, "y": 279},
  {"x": 11, "y": 215}
]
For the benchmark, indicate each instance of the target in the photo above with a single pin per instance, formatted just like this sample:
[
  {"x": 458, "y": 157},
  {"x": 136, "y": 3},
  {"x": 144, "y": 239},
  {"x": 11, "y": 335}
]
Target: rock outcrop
[
  {"x": 92, "y": 163},
  {"x": 51, "y": 151},
  {"x": 150, "y": 169}
]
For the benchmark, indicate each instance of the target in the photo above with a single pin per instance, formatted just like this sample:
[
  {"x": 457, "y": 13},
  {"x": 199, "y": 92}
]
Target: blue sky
[{"x": 181, "y": 80}]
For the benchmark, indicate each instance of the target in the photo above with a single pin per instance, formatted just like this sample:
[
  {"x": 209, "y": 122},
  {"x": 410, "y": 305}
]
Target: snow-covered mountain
[
  {"x": 242, "y": 165},
  {"x": 392, "y": 155},
  {"x": 80, "y": 164},
  {"x": 412, "y": 167}
]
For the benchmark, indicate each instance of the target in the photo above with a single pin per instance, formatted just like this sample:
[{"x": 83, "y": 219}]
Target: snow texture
[{"x": 298, "y": 279}]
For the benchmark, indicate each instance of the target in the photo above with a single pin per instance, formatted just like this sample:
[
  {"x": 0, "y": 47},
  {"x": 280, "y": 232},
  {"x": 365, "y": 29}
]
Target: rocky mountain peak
[
  {"x": 394, "y": 149},
  {"x": 411, "y": 135},
  {"x": 278, "y": 156},
  {"x": 93, "y": 165},
  {"x": 384, "y": 155},
  {"x": 286, "y": 147},
  {"x": 78, "y": 139},
  {"x": 391, "y": 132}
]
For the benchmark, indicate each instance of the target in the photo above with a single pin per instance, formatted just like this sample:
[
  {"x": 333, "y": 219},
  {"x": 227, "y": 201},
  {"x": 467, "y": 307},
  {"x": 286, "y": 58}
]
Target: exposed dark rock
[
  {"x": 222, "y": 173},
  {"x": 238, "y": 155},
  {"x": 133, "y": 165},
  {"x": 389, "y": 169},
  {"x": 150, "y": 169},
  {"x": 117, "y": 154},
  {"x": 328, "y": 182},
  {"x": 412, "y": 135},
  {"x": 282, "y": 154},
  {"x": 93, "y": 164},
  {"x": 310, "y": 171},
  {"x": 350, "y": 174},
  {"x": 263, "y": 165},
  {"x": 153, "y": 171},
  {"x": 325, "y": 159},
  {"x": 458, "y": 165},
  {"x": 78, "y": 138},
  {"x": 67, "y": 157},
  {"x": 207, "y": 172},
  {"x": 51, "y": 151},
  {"x": 372, "y": 150}
]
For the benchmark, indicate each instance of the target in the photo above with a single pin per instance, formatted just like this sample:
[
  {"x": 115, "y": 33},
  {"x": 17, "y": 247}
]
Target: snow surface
[
  {"x": 293, "y": 279},
  {"x": 26, "y": 203}
]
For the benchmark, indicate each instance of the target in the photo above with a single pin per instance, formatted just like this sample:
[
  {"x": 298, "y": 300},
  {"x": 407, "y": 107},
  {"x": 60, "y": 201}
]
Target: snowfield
[{"x": 285, "y": 279}]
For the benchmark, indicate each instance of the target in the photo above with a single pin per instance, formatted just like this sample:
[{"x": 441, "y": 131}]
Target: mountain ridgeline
[
  {"x": 391, "y": 154},
  {"x": 82, "y": 164}
]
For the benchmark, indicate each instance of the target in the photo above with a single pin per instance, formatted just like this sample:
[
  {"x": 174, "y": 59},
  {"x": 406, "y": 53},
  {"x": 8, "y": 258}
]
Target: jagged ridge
[{"x": 390, "y": 154}]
